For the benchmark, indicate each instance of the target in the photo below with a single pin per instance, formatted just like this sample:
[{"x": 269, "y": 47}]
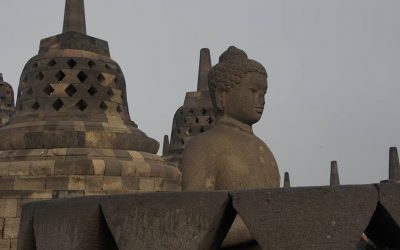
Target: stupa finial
[
  {"x": 74, "y": 16},
  {"x": 204, "y": 68},
  {"x": 286, "y": 180},
  {"x": 165, "y": 145},
  {"x": 334, "y": 174},
  {"x": 394, "y": 165},
  {"x": 1, "y": 77}
]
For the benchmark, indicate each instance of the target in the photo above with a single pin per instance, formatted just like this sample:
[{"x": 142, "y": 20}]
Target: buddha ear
[{"x": 220, "y": 100}]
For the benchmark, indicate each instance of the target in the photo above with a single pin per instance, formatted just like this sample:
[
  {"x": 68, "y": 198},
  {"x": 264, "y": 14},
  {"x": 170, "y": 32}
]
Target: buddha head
[{"x": 238, "y": 86}]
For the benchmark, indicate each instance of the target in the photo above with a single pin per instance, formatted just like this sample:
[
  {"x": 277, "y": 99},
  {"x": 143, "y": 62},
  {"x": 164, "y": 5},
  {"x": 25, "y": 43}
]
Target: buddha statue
[{"x": 229, "y": 156}]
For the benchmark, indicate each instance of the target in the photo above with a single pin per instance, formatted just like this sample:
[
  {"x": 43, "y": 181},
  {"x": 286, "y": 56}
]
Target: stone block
[
  {"x": 30, "y": 183},
  {"x": 136, "y": 156},
  {"x": 19, "y": 168},
  {"x": 84, "y": 167},
  {"x": 59, "y": 151},
  {"x": 4, "y": 168},
  {"x": 172, "y": 185},
  {"x": 128, "y": 168},
  {"x": 130, "y": 183},
  {"x": 143, "y": 169},
  {"x": 39, "y": 168},
  {"x": 168, "y": 220},
  {"x": 92, "y": 193},
  {"x": 121, "y": 153},
  {"x": 40, "y": 195},
  {"x": 57, "y": 183},
  {"x": 77, "y": 183},
  {"x": 94, "y": 183},
  {"x": 78, "y": 151},
  {"x": 65, "y": 167},
  {"x": 35, "y": 153},
  {"x": 8, "y": 208},
  {"x": 11, "y": 228},
  {"x": 99, "y": 167},
  {"x": 14, "y": 244},
  {"x": 25, "y": 194},
  {"x": 80, "y": 225},
  {"x": 160, "y": 184},
  {"x": 157, "y": 170},
  {"x": 5, "y": 244},
  {"x": 113, "y": 183},
  {"x": 108, "y": 152},
  {"x": 307, "y": 218},
  {"x": 146, "y": 184},
  {"x": 113, "y": 168},
  {"x": 2, "y": 220},
  {"x": 68, "y": 194},
  {"x": 6, "y": 183}
]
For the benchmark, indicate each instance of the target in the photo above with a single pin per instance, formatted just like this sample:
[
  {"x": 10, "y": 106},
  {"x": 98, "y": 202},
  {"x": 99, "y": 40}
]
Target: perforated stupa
[{"x": 72, "y": 130}]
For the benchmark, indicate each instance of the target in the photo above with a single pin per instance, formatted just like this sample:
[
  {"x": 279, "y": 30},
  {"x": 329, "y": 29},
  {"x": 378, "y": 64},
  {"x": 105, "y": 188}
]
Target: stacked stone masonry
[
  {"x": 39, "y": 174},
  {"x": 11, "y": 203}
]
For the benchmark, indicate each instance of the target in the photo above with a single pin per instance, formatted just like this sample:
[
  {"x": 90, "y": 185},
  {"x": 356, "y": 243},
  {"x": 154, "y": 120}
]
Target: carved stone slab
[
  {"x": 307, "y": 218},
  {"x": 168, "y": 221},
  {"x": 389, "y": 195},
  {"x": 71, "y": 224},
  {"x": 26, "y": 236}
]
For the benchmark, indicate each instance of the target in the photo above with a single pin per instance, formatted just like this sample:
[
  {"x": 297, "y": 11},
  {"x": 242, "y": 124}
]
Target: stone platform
[{"x": 294, "y": 218}]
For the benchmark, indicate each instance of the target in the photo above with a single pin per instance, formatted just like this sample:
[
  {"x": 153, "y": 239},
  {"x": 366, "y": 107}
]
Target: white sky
[{"x": 333, "y": 69}]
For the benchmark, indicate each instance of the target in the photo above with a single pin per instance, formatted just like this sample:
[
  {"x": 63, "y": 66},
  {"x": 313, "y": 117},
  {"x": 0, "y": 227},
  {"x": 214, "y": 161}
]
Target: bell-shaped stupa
[
  {"x": 196, "y": 116},
  {"x": 72, "y": 129},
  {"x": 6, "y": 101}
]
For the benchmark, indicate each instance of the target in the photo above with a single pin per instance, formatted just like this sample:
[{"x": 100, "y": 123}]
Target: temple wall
[
  {"x": 42, "y": 174},
  {"x": 11, "y": 203}
]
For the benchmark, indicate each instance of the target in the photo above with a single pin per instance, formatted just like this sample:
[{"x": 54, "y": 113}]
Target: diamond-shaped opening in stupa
[
  {"x": 81, "y": 105},
  {"x": 70, "y": 90},
  {"x": 71, "y": 63}
]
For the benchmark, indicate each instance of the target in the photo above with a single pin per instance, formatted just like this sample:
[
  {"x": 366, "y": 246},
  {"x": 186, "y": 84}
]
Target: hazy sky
[{"x": 333, "y": 66}]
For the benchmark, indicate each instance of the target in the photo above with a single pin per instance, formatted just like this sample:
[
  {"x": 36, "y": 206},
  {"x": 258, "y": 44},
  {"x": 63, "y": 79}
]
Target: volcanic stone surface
[{"x": 309, "y": 217}]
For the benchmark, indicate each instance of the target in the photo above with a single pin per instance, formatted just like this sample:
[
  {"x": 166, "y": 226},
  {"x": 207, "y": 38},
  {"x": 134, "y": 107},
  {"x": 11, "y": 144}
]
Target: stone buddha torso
[{"x": 240, "y": 159}]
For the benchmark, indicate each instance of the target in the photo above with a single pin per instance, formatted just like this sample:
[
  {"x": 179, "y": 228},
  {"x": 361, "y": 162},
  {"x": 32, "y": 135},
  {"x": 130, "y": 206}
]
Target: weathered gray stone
[
  {"x": 230, "y": 146},
  {"x": 286, "y": 180},
  {"x": 8, "y": 207},
  {"x": 7, "y": 107},
  {"x": 394, "y": 165},
  {"x": 74, "y": 16},
  {"x": 26, "y": 236},
  {"x": 307, "y": 218},
  {"x": 6, "y": 183},
  {"x": 334, "y": 180},
  {"x": 11, "y": 228},
  {"x": 237, "y": 87},
  {"x": 5, "y": 244},
  {"x": 168, "y": 220},
  {"x": 389, "y": 196},
  {"x": 80, "y": 225}
]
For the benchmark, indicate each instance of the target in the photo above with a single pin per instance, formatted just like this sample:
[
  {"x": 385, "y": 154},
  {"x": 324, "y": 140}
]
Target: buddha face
[{"x": 245, "y": 101}]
